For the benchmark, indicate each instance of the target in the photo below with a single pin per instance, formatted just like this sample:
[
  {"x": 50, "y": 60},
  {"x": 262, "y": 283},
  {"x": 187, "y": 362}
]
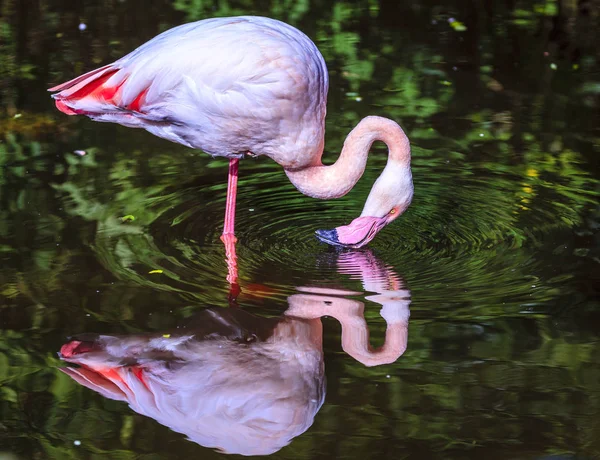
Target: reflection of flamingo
[
  {"x": 230, "y": 380},
  {"x": 390, "y": 293},
  {"x": 238, "y": 382},
  {"x": 247, "y": 85}
]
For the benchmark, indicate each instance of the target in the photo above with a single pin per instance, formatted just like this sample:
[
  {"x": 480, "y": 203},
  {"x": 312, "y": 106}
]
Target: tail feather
[
  {"x": 80, "y": 81},
  {"x": 77, "y": 95}
]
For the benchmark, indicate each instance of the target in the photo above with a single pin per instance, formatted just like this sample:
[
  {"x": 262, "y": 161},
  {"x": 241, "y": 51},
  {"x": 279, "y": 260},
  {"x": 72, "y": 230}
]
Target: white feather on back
[{"x": 227, "y": 86}]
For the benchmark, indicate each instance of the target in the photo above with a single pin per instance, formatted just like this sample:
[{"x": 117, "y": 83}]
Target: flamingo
[{"x": 247, "y": 86}]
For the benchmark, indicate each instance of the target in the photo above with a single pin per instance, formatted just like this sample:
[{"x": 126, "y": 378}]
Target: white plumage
[{"x": 205, "y": 89}]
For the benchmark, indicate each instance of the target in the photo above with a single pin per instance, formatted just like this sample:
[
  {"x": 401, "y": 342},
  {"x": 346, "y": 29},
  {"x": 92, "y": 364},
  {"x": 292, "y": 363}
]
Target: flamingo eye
[{"x": 393, "y": 211}]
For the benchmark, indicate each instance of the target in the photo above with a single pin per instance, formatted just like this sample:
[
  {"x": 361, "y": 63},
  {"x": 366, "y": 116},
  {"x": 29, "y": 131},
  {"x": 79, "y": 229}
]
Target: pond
[{"x": 466, "y": 329}]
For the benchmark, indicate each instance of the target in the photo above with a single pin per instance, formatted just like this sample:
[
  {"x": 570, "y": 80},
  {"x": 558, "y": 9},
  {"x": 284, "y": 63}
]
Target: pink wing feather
[{"x": 95, "y": 86}]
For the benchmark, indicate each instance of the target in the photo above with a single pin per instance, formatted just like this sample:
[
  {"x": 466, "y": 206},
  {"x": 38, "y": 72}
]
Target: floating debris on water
[
  {"x": 531, "y": 172},
  {"x": 457, "y": 25},
  {"x": 494, "y": 85},
  {"x": 354, "y": 95}
]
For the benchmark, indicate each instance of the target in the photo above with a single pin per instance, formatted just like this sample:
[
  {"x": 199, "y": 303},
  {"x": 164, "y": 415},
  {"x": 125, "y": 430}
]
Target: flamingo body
[{"x": 227, "y": 86}]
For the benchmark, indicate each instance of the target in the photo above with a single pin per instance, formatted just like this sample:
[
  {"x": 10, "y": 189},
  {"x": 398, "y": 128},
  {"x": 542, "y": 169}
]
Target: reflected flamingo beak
[{"x": 354, "y": 235}]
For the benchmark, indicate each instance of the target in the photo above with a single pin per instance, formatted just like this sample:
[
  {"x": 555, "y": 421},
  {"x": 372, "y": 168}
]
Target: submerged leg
[{"x": 228, "y": 236}]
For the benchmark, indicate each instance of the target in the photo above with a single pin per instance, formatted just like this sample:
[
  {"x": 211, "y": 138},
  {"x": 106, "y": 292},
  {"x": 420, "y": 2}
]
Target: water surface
[{"x": 496, "y": 260}]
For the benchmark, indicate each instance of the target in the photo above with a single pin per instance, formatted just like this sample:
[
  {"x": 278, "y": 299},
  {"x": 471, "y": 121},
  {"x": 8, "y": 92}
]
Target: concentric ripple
[{"x": 164, "y": 233}]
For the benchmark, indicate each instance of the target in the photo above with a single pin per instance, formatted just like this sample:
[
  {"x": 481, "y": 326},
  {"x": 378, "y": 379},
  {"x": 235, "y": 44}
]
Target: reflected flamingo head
[{"x": 389, "y": 292}]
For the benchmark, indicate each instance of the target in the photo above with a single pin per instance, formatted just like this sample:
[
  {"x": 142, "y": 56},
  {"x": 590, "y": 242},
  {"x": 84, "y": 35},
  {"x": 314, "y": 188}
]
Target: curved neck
[{"x": 320, "y": 181}]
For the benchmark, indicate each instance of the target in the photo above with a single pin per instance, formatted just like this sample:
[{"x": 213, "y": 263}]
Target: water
[{"x": 496, "y": 260}]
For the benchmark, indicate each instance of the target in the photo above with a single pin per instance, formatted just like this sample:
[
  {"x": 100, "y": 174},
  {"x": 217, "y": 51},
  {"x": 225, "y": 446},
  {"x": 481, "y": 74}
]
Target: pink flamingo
[{"x": 247, "y": 86}]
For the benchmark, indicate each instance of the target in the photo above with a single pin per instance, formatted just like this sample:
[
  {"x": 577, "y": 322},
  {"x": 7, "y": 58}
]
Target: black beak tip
[{"x": 329, "y": 237}]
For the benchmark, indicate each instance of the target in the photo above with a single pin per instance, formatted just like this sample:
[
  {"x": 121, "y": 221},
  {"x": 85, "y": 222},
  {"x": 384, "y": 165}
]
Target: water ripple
[{"x": 455, "y": 225}]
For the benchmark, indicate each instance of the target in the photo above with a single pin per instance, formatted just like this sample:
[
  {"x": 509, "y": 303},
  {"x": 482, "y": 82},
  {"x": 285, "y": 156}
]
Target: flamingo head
[
  {"x": 357, "y": 233},
  {"x": 391, "y": 195}
]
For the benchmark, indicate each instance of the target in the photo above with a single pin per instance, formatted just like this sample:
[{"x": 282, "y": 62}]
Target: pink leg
[
  {"x": 229, "y": 227},
  {"x": 228, "y": 236}
]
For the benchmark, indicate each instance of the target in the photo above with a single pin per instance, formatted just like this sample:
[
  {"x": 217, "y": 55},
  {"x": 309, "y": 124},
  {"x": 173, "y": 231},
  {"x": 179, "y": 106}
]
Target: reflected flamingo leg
[{"x": 228, "y": 236}]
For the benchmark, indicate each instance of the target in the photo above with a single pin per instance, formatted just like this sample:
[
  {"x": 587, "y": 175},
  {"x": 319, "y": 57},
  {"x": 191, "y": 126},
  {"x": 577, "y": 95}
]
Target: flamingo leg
[
  {"x": 228, "y": 236},
  {"x": 229, "y": 227}
]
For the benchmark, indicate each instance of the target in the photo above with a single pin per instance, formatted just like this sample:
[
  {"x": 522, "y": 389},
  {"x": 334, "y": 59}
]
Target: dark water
[{"x": 496, "y": 259}]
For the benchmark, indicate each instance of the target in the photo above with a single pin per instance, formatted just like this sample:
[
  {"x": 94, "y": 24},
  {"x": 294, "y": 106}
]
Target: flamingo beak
[{"x": 354, "y": 235}]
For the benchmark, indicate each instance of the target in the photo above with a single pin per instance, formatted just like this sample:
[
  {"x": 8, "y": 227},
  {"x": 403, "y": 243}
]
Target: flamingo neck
[{"x": 334, "y": 181}]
